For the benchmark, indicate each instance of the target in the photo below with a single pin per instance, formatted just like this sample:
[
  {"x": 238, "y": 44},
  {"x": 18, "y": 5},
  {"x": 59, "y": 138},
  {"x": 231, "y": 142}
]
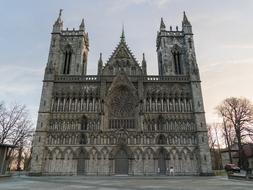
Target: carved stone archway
[{"x": 121, "y": 162}]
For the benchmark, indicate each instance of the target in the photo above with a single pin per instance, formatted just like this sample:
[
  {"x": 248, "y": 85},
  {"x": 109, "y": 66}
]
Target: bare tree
[
  {"x": 229, "y": 136},
  {"x": 211, "y": 139},
  {"x": 15, "y": 127},
  {"x": 237, "y": 112},
  {"x": 214, "y": 144}
]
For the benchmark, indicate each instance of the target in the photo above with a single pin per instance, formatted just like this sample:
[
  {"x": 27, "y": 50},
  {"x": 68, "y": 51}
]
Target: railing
[
  {"x": 166, "y": 78},
  {"x": 77, "y": 78},
  {"x": 95, "y": 78}
]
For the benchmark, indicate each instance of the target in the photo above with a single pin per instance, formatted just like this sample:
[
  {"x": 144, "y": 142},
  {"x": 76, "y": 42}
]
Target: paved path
[{"x": 122, "y": 183}]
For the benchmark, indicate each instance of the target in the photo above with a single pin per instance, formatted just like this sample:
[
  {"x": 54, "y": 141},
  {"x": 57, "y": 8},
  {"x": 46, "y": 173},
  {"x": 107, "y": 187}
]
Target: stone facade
[{"x": 121, "y": 121}]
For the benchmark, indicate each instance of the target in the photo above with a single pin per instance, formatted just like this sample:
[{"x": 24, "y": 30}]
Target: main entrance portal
[
  {"x": 81, "y": 163},
  {"x": 162, "y": 162},
  {"x": 121, "y": 162}
]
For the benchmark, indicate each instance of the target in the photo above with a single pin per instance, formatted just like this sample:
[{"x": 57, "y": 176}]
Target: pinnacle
[
  {"x": 81, "y": 27},
  {"x": 162, "y": 25},
  {"x": 122, "y": 34},
  {"x": 59, "y": 17},
  {"x": 185, "y": 19}
]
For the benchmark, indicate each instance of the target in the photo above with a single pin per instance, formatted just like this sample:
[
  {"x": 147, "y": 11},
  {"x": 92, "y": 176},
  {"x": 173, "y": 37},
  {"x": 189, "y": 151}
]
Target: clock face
[{"x": 122, "y": 103}]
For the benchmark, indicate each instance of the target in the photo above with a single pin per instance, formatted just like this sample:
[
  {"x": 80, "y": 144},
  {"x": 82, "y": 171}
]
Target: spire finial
[
  {"x": 100, "y": 56},
  {"x": 100, "y": 64},
  {"x": 60, "y": 12},
  {"x": 143, "y": 57},
  {"x": 144, "y": 65},
  {"x": 162, "y": 25},
  {"x": 59, "y": 17},
  {"x": 123, "y": 33}
]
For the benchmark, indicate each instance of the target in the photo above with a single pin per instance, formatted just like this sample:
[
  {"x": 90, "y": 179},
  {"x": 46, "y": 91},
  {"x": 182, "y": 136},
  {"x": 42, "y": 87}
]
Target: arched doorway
[
  {"x": 121, "y": 162},
  {"x": 162, "y": 162},
  {"x": 82, "y": 157}
]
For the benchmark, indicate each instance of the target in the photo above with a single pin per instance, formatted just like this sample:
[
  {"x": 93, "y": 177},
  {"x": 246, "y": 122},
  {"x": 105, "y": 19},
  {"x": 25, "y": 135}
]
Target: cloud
[
  {"x": 119, "y": 5},
  {"x": 237, "y": 46}
]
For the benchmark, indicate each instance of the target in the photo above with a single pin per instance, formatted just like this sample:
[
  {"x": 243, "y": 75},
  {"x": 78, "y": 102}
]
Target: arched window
[
  {"x": 190, "y": 43},
  {"x": 176, "y": 59},
  {"x": 160, "y": 61},
  {"x": 67, "y": 60}
]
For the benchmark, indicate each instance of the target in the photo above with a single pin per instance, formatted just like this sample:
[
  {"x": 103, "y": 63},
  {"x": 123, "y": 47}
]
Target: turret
[
  {"x": 68, "y": 50},
  {"x": 186, "y": 25},
  {"x": 144, "y": 65},
  {"x": 175, "y": 49},
  {"x": 58, "y": 25}
]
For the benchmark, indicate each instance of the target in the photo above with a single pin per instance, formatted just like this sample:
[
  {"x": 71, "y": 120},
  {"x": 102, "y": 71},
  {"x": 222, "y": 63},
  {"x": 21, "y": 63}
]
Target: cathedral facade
[{"x": 122, "y": 120}]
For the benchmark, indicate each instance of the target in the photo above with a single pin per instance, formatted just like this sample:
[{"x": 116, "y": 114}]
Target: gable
[
  {"x": 122, "y": 59},
  {"x": 122, "y": 53}
]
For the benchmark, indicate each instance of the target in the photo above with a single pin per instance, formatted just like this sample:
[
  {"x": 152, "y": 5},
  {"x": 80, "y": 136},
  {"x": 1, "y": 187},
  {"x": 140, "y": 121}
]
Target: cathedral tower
[
  {"x": 68, "y": 49},
  {"x": 174, "y": 48}
]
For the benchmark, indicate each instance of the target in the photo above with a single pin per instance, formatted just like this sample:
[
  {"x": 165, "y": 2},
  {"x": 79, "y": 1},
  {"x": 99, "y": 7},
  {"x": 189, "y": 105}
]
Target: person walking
[{"x": 171, "y": 171}]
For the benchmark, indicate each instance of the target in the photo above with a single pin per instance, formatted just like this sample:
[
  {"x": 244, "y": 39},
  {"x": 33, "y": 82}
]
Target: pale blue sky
[{"x": 222, "y": 33}]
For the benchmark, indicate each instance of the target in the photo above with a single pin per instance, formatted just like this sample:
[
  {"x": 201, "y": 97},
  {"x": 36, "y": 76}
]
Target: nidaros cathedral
[{"x": 122, "y": 120}]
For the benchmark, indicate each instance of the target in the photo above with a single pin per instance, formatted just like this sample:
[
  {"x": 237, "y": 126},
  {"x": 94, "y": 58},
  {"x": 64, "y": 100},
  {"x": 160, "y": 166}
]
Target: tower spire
[
  {"x": 123, "y": 34},
  {"x": 100, "y": 64},
  {"x": 185, "y": 20},
  {"x": 58, "y": 25},
  {"x": 144, "y": 65},
  {"x": 162, "y": 25},
  {"x": 186, "y": 25},
  {"x": 82, "y": 26},
  {"x": 59, "y": 17}
]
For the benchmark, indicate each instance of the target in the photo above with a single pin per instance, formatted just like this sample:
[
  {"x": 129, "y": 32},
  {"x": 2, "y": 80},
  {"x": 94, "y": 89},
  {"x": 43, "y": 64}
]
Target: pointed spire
[
  {"x": 82, "y": 26},
  {"x": 59, "y": 17},
  {"x": 100, "y": 58},
  {"x": 186, "y": 25},
  {"x": 162, "y": 25},
  {"x": 100, "y": 64},
  {"x": 122, "y": 34},
  {"x": 144, "y": 65},
  {"x": 185, "y": 20},
  {"x": 143, "y": 58},
  {"x": 58, "y": 25}
]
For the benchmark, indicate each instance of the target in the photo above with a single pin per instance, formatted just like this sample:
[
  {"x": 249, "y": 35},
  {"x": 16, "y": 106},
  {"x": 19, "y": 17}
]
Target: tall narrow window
[
  {"x": 190, "y": 43},
  {"x": 177, "y": 64},
  {"x": 67, "y": 60},
  {"x": 160, "y": 63}
]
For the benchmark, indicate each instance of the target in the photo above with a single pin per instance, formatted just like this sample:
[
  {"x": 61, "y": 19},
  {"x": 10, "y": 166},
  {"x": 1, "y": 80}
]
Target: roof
[{"x": 247, "y": 150}]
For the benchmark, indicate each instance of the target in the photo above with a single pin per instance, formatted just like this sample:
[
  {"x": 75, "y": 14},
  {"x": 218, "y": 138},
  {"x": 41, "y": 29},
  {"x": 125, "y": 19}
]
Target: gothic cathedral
[{"x": 122, "y": 120}]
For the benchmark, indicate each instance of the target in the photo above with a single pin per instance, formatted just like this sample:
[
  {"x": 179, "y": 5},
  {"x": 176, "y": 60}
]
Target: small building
[
  {"x": 247, "y": 155},
  {"x": 4, "y": 149},
  {"x": 247, "y": 152},
  {"x": 225, "y": 155}
]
